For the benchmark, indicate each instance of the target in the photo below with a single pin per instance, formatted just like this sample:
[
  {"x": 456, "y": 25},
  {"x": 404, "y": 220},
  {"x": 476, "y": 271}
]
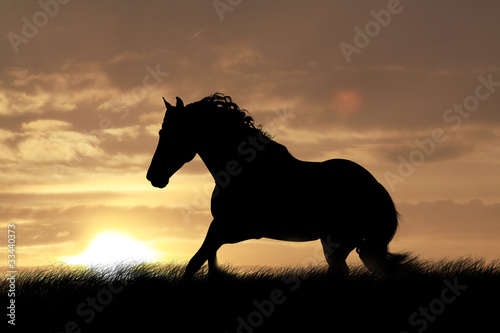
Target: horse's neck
[
  {"x": 216, "y": 154},
  {"x": 227, "y": 155}
]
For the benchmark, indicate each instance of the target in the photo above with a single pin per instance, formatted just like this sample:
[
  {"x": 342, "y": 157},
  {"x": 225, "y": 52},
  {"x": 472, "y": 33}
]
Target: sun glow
[
  {"x": 110, "y": 248},
  {"x": 346, "y": 102}
]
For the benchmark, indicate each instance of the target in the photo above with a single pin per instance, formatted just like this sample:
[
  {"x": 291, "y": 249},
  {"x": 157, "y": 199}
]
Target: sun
[
  {"x": 346, "y": 102},
  {"x": 111, "y": 248}
]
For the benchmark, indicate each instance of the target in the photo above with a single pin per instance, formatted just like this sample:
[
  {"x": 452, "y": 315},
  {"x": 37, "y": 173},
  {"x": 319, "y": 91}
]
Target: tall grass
[{"x": 440, "y": 296}]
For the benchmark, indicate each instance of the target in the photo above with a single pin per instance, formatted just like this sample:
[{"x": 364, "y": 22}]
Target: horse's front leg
[{"x": 207, "y": 251}]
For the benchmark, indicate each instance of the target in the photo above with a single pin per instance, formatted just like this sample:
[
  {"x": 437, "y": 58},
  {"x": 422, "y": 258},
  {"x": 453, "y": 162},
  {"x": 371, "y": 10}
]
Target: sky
[{"x": 408, "y": 89}]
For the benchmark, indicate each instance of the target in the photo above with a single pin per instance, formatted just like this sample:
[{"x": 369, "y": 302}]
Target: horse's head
[{"x": 175, "y": 147}]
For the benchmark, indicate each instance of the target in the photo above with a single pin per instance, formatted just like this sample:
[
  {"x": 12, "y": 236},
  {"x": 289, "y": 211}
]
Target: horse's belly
[
  {"x": 293, "y": 237},
  {"x": 288, "y": 226}
]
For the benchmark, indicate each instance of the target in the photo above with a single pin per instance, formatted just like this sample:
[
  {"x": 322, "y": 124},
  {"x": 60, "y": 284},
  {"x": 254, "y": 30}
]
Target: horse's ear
[
  {"x": 167, "y": 104},
  {"x": 180, "y": 103}
]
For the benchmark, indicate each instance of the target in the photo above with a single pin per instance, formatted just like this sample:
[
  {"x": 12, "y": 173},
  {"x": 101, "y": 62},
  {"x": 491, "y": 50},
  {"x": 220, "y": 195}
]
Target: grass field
[{"x": 442, "y": 296}]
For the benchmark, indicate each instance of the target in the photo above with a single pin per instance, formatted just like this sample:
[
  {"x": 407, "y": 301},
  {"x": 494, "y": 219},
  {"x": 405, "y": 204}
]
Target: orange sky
[{"x": 410, "y": 90}]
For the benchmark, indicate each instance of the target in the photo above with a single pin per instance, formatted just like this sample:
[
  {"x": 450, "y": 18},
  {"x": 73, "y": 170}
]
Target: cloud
[
  {"x": 52, "y": 141},
  {"x": 46, "y": 125},
  {"x": 58, "y": 147},
  {"x": 62, "y": 234},
  {"x": 431, "y": 151},
  {"x": 469, "y": 142},
  {"x": 46, "y": 141},
  {"x": 236, "y": 57},
  {"x": 123, "y": 133},
  {"x": 27, "y": 92}
]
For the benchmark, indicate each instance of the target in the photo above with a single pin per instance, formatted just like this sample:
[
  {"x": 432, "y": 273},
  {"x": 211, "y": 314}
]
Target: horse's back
[
  {"x": 353, "y": 183},
  {"x": 347, "y": 170}
]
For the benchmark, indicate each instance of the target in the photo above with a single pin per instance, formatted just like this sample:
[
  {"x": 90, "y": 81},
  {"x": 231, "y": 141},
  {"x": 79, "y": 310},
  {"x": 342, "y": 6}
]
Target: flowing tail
[{"x": 373, "y": 249}]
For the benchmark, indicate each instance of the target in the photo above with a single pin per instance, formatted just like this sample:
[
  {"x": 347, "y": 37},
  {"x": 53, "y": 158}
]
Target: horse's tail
[{"x": 373, "y": 249}]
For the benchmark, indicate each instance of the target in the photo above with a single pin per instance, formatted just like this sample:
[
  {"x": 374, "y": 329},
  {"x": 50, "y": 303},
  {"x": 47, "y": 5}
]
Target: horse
[{"x": 262, "y": 191}]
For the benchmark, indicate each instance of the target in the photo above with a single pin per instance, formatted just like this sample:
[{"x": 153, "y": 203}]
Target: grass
[{"x": 440, "y": 296}]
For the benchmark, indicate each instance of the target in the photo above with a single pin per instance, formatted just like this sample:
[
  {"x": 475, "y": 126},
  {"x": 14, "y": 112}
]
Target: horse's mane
[{"x": 231, "y": 113}]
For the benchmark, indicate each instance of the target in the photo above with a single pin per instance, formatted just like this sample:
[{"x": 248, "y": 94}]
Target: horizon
[{"x": 405, "y": 89}]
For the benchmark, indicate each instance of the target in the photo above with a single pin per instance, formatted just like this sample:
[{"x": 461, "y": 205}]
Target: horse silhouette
[{"x": 261, "y": 190}]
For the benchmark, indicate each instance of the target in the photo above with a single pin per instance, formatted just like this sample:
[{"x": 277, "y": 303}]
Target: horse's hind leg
[{"x": 336, "y": 254}]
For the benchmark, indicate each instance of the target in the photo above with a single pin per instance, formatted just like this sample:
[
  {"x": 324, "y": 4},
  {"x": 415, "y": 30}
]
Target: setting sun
[{"x": 113, "y": 247}]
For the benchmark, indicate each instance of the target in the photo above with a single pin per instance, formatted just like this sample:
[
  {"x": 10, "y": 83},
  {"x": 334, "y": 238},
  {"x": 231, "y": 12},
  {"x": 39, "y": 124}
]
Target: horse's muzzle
[
  {"x": 155, "y": 182},
  {"x": 159, "y": 184}
]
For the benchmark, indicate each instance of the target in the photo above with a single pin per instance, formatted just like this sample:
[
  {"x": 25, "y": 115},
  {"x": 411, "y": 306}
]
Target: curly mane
[{"x": 230, "y": 112}]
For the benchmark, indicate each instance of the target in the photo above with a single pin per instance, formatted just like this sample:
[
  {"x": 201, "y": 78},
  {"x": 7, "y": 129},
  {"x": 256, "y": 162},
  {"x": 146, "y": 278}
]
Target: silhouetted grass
[{"x": 440, "y": 296}]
